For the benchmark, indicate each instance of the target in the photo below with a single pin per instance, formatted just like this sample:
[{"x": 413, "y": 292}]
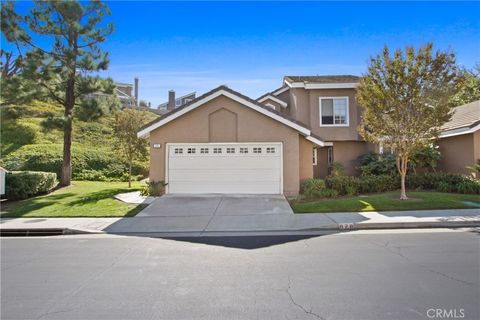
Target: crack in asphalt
[
  {"x": 79, "y": 288},
  {"x": 309, "y": 312},
  {"x": 399, "y": 253}
]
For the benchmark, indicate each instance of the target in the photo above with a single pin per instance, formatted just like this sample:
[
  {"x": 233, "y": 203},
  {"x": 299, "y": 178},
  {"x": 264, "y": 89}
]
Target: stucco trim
[
  {"x": 280, "y": 102},
  {"x": 143, "y": 132},
  {"x": 307, "y": 86}
]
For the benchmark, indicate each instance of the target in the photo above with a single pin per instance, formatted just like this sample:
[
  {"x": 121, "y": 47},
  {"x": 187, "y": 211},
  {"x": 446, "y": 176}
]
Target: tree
[
  {"x": 405, "y": 100},
  {"x": 61, "y": 39},
  {"x": 127, "y": 123},
  {"x": 468, "y": 87}
]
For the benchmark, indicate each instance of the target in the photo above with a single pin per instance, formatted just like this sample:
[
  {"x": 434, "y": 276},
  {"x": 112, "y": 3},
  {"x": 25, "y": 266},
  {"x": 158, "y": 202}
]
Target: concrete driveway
[{"x": 193, "y": 205}]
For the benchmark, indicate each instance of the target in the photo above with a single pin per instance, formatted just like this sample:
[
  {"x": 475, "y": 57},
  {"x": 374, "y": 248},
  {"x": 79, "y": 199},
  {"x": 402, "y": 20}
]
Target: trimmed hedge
[
  {"x": 444, "y": 182},
  {"x": 24, "y": 184},
  {"x": 87, "y": 163},
  {"x": 349, "y": 186}
]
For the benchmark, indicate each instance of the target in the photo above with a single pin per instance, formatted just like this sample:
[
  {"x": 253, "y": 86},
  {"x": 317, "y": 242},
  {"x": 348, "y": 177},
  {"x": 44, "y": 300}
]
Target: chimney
[
  {"x": 171, "y": 100},
  {"x": 136, "y": 91}
]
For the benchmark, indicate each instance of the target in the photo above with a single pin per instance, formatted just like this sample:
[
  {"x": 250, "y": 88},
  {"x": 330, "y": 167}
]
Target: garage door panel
[
  {"x": 234, "y": 187},
  {"x": 224, "y": 163},
  {"x": 224, "y": 175},
  {"x": 225, "y": 168}
]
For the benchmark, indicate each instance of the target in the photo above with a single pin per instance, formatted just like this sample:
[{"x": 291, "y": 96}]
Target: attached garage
[
  {"x": 250, "y": 168},
  {"x": 225, "y": 142}
]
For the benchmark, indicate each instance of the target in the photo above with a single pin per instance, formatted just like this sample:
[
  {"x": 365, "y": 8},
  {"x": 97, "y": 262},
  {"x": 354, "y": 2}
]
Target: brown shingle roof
[
  {"x": 232, "y": 92},
  {"x": 465, "y": 116},
  {"x": 323, "y": 79}
]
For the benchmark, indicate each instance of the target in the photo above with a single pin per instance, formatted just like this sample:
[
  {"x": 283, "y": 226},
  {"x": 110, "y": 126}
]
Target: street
[{"x": 388, "y": 274}]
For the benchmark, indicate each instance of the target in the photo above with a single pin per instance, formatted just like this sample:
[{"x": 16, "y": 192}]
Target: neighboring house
[
  {"x": 173, "y": 102},
  {"x": 459, "y": 142},
  {"x": 124, "y": 93},
  {"x": 127, "y": 94}
]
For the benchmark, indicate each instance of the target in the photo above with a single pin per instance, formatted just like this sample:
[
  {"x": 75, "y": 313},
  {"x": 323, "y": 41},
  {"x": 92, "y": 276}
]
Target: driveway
[{"x": 193, "y": 205}]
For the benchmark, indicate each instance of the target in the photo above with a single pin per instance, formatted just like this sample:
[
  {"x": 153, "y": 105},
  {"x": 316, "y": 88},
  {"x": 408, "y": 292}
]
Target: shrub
[
  {"x": 328, "y": 193},
  {"x": 430, "y": 180},
  {"x": 24, "y": 184},
  {"x": 380, "y": 183},
  {"x": 153, "y": 188},
  {"x": 378, "y": 164},
  {"x": 48, "y": 158},
  {"x": 312, "y": 187},
  {"x": 344, "y": 185},
  {"x": 469, "y": 186},
  {"x": 337, "y": 168}
]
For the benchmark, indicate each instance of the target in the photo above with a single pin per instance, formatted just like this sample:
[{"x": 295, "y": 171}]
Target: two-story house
[
  {"x": 225, "y": 142},
  {"x": 327, "y": 106}
]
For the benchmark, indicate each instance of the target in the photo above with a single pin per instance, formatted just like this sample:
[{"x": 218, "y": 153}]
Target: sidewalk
[{"x": 249, "y": 224}]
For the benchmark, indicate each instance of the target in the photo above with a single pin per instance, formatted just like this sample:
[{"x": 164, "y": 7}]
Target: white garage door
[{"x": 224, "y": 168}]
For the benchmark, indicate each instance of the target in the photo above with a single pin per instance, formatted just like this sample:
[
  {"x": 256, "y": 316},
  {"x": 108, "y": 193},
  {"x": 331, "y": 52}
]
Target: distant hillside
[{"x": 25, "y": 145}]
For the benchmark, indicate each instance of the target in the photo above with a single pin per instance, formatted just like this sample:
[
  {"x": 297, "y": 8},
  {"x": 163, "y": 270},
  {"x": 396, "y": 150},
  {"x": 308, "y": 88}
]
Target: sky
[{"x": 250, "y": 46}]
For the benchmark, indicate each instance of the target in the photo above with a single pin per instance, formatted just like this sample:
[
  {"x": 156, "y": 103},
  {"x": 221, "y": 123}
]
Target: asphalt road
[{"x": 379, "y": 275}]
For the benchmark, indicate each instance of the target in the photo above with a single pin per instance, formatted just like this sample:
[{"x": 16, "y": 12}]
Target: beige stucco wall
[
  {"x": 347, "y": 152},
  {"x": 458, "y": 152},
  {"x": 305, "y": 158},
  {"x": 195, "y": 127},
  {"x": 305, "y": 107}
]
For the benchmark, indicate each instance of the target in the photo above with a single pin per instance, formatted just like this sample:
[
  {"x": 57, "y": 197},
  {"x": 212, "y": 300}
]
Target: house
[
  {"x": 173, "y": 102},
  {"x": 459, "y": 141},
  {"x": 225, "y": 142}
]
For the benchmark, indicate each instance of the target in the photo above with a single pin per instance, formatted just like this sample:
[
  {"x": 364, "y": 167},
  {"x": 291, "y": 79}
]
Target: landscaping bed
[
  {"x": 389, "y": 201},
  {"x": 81, "y": 199}
]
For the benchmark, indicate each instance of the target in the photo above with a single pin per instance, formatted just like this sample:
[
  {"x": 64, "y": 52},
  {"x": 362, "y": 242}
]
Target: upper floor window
[{"x": 334, "y": 111}]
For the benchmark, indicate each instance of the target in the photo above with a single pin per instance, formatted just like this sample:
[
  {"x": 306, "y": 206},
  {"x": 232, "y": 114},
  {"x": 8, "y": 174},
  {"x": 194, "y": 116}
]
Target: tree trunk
[
  {"x": 67, "y": 154},
  {"x": 403, "y": 194},
  {"x": 69, "y": 104},
  {"x": 402, "y": 168},
  {"x": 130, "y": 174},
  {"x": 67, "y": 134}
]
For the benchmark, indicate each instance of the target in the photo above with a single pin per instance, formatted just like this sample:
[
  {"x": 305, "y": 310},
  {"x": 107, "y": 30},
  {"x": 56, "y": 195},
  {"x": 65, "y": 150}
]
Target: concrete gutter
[{"x": 248, "y": 224}]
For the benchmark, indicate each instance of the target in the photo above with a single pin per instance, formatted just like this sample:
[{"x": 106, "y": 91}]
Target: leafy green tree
[
  {"x": 131, "y": 147},
  {"x": 405, "y": 100},
  {"x": 61, "y": 40},
  {"x": 468, "y": 87}
]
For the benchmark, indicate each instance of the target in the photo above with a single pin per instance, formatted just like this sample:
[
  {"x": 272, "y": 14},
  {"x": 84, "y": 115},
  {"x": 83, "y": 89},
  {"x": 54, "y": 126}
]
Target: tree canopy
[{"x": 406, "y": 99}]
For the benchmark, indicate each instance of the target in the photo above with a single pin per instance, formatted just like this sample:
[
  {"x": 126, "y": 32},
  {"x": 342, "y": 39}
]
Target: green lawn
[
  {"x": 389, "y": 202},
  {"x": 81, "y": 199}
]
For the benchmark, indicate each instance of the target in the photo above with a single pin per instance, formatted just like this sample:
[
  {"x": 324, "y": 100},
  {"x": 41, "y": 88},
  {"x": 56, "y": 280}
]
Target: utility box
[{"x": 3, "y": 172}]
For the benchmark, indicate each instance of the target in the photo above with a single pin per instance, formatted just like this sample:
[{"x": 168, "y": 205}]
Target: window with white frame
[
  {"x": 270, "y": 149},
  {"x": 203, "y": 150},
  {"x": 243, "y": 150},
  {"x": 178, "y": 150},
  {"x": 191, "y": 150},
  {"x": 315, "y": 156},
  {"x": 257, "y": 150},
  {"x": 178, "y": 102},
  {"x": 217, "y": 150},
  {"x": 329, "y": 155},
  {"x": 230, "y": 150},
  {"x": 334, "y": 111}
]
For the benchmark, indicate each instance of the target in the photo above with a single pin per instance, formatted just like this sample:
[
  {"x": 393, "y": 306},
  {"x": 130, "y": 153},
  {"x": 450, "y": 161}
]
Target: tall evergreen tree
[{"x": 62, "y": 41}]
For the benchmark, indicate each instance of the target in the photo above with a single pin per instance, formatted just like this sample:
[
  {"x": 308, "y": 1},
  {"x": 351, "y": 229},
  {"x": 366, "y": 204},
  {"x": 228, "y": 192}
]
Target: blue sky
[{"x": 250, "y": 46}]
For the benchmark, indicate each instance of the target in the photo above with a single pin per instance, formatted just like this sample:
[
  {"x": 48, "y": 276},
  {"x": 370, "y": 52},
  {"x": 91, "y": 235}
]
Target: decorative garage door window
[{"x": 222, "y": 151}]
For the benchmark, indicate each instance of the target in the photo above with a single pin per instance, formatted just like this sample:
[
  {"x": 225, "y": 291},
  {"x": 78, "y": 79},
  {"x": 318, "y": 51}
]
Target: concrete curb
[{"x": 333, "y": 228}]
